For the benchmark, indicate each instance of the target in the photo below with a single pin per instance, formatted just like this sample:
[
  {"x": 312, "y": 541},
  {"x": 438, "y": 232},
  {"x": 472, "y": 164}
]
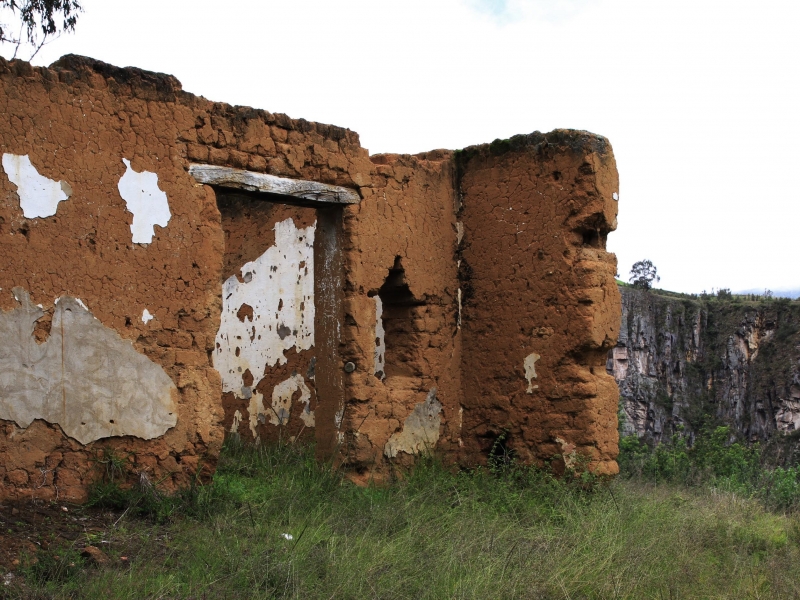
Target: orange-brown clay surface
[
  {"x": 540, "y": 305},
  {"x": 455, "y": 279},
  {"x": 76, "y": 121}
]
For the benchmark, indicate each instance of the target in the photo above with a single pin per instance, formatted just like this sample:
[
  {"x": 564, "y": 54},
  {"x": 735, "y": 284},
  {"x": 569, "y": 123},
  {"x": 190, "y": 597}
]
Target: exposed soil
[{"x": 31, "y": 530}]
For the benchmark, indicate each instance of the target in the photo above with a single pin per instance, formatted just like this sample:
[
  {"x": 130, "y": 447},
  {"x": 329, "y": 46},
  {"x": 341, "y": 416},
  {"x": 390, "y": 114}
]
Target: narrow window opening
[{"x": 402, "y": 315}]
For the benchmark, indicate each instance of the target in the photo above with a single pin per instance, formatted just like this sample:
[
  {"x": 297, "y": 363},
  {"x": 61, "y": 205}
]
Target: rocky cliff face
[{"x": 683, "y": 361}]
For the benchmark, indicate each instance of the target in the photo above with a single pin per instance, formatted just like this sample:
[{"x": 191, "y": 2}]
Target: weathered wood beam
[{"x": 300, "y": 189}]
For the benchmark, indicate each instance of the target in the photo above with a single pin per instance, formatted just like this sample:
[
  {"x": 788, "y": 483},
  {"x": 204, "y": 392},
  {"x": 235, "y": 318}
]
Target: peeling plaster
[
  {"x": 255, "y": 411},
  {"x": 145, "y": 200},
  {"x": 530, "y": 371},
  {"x": 277, "y": 289},
  {"x": 38, "y": 195},
  {"x": 307, "y": 416},
  {"x": 282, "y": 401},
  {"x": 460, "y": 307},
  {"x": 420, "y": 430},
  {"x": 84, "y": 377},
  {"x": 281, "y": 407},
  {"x": 338, "y": 419},
  {"x": 237, "y": 419},
  {"x": 380, "y": 341},
  {"x": 568, "y": 453}
]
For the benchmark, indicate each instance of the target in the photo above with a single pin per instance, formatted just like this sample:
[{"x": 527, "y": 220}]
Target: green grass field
[{"x": 511, "y": 533}]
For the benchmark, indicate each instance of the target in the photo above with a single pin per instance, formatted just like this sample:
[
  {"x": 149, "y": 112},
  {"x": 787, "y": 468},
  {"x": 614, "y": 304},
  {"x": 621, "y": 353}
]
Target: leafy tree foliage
[
  {"x": 724, "y": 294},
  {"x": 643, "y": 274},
  {"x": 38, "y": 20}
]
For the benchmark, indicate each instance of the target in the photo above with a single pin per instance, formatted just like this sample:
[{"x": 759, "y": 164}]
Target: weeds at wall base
[{"x": 56, "y": 567}]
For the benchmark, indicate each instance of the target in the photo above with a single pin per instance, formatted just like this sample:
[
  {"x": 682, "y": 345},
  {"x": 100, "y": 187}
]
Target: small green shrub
[{"x": 714, "y": 460}]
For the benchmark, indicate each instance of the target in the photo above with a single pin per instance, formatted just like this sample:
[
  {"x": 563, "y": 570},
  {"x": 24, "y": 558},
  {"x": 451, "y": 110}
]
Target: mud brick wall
[
  {"x": 540, "y": 305},
  {"x": 75, "y": 122},
  {"x": 468, "y": 297},
  {"x": 401, "y": 315}
]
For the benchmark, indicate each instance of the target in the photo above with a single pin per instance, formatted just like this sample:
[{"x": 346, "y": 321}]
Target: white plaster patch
[
  {"x": 255, "y": 412},
  {"x": 420, "y": 430},
  {"x": 38, "y": 195},
  {"x": 615, "y": 196},
  {"x": 278, "y": 291},
  {"x": 146, "y": 316},
  {"x": 568, "y": 453},
  {"x": 282, "y": 401},
  {"x": 145, "y": 200},
  {"x": 458, "y": 319},
  {"x": 530, "y": 370},
  {"x": 380, "y": 341},
  {"x": 307, "y": 416},
  {"x": 84, "y": 376},
  {"x": 237, "y": 419}
]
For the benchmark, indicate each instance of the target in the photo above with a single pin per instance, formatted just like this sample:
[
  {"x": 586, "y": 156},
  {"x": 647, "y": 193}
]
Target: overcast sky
[{"x": 699, "y": 99}]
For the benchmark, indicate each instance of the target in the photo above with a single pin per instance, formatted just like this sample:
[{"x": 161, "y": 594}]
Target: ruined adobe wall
[
  {"x": 510, "y": 302},
  {"x": 76, "y": 122},
  {"x": 401, "y": 322},
  {"x": 540, "y": 305},
  {"x": 151, "y": 299}
]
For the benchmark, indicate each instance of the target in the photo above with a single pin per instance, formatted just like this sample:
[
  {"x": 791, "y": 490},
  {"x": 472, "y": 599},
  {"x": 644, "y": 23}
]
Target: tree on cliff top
[
  {"x": 643, "y": 274},
  {"x": 38, "y": 20}
]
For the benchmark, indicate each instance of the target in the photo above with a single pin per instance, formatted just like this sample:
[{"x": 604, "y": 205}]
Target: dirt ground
[{"x": 55, "y": 531}]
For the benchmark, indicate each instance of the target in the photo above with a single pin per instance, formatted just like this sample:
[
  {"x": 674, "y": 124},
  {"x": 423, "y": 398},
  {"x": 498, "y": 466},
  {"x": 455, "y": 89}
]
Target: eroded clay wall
[
  {"x": 113, "y": 261},
  {"x": 401, "y": 316},
  {"x": 540, "y": 304},
  {"x": 467, "y": 298}
]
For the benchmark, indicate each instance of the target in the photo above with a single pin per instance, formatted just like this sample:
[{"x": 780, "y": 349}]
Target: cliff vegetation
[{"x": 684, "y": 363}]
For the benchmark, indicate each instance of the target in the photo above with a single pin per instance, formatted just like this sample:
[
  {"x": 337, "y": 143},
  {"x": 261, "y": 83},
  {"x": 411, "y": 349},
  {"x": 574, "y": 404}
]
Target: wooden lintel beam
[{"x": 309, "y": 191}]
